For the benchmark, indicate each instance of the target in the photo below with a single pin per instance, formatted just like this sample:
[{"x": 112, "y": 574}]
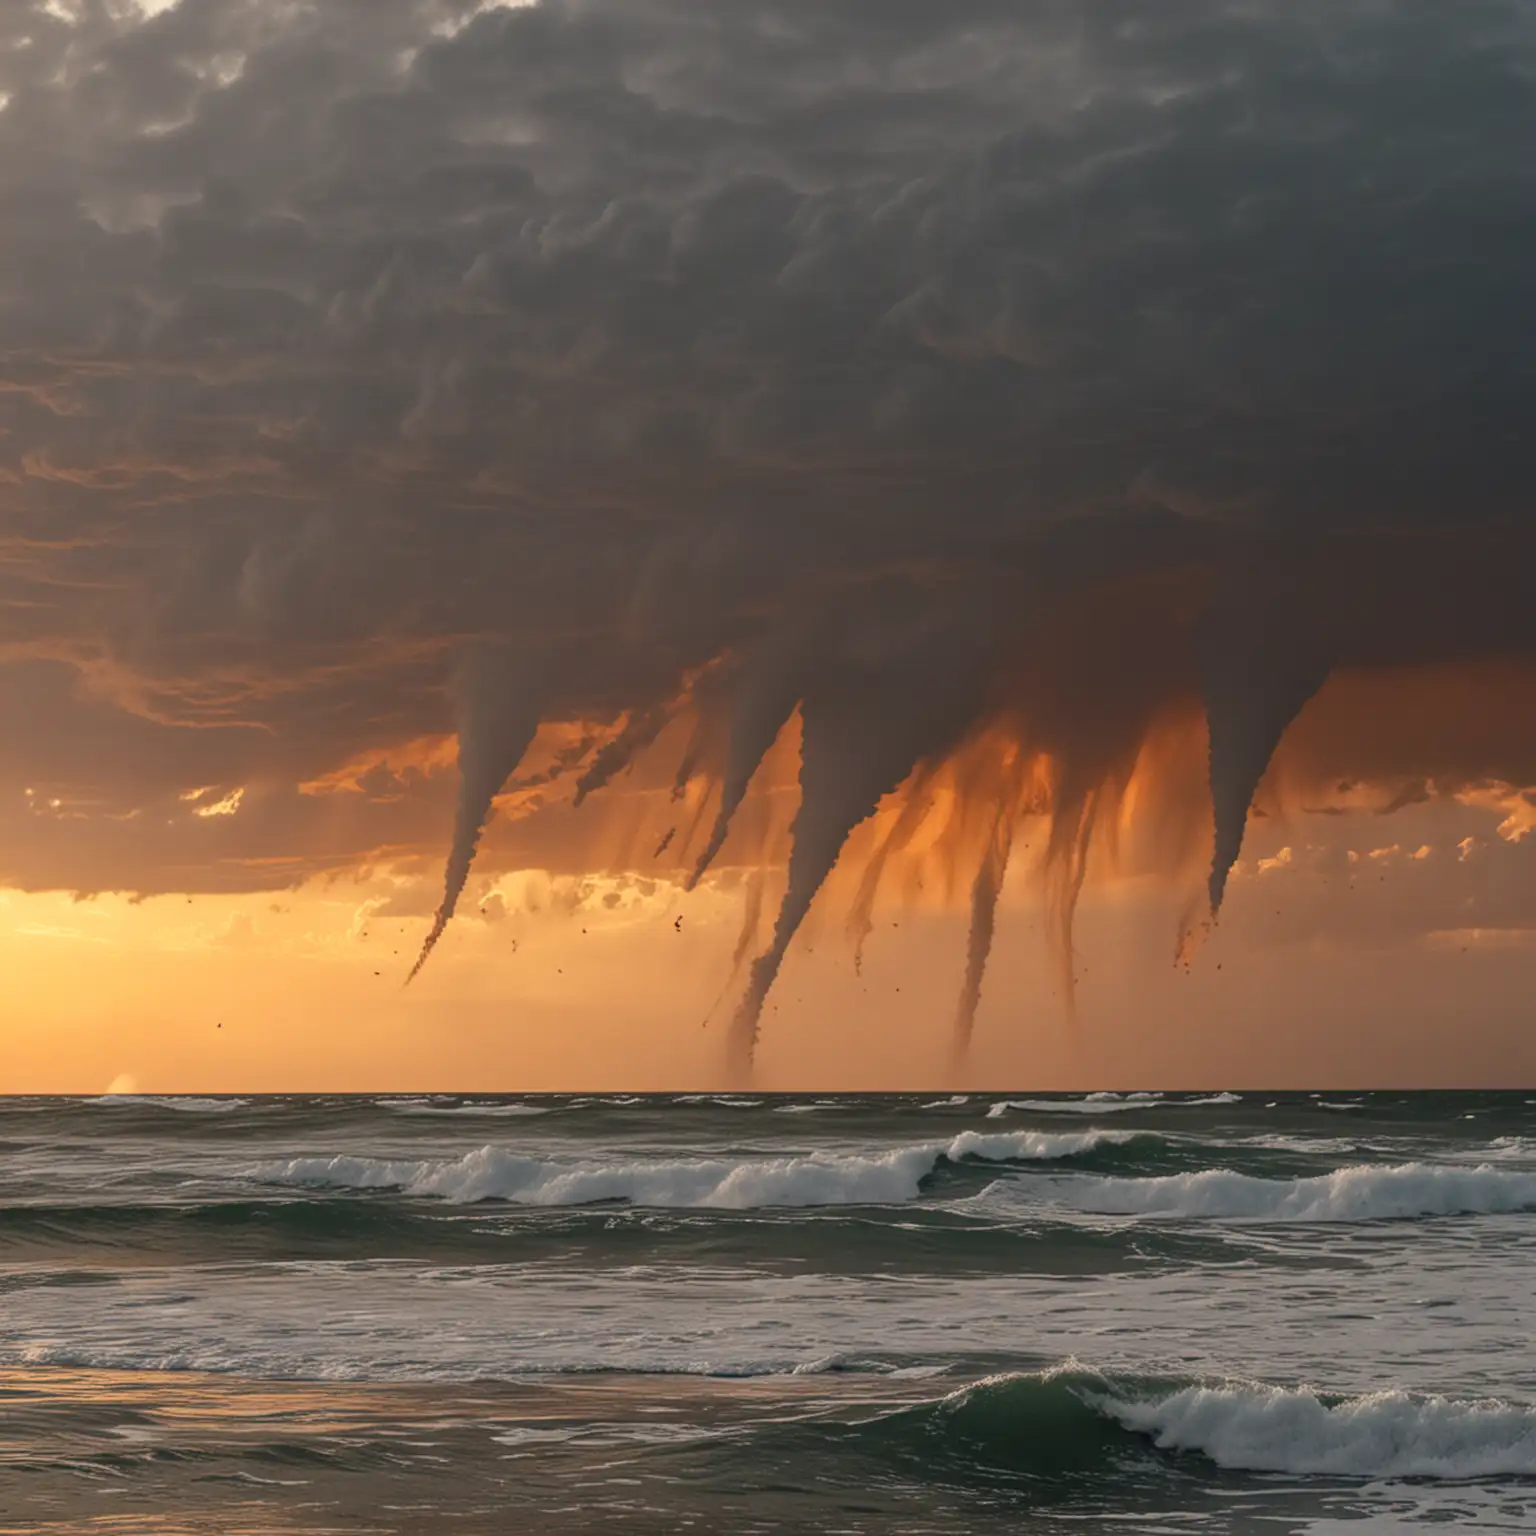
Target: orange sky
[
  {"x": 983, "y": 400},
  {"x": 1342, "y": 958}
]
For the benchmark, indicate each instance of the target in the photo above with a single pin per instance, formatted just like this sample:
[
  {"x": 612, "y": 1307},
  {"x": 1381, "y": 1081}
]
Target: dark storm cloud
[{"x": 342, "y": 342}]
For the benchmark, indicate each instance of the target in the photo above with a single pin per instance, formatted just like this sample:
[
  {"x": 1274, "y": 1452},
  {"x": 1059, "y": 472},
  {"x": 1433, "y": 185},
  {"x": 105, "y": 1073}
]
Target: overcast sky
[{"x": 402, "y": 398}]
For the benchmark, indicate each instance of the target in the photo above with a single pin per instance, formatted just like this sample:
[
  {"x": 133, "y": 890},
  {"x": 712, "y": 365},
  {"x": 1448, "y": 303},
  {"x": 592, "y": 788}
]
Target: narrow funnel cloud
[
  {"x": 498, "y": 707},
  {"x": 767, "y": 689},
  {"x": 840, "y": 785},
  {"x": 864, "y": 733},
  {"x": 861, "y": 920},
  {"x": 1260, "y": 668},
  {"x": 639, "y": 732},
  {"x": 985, "y": 891}
]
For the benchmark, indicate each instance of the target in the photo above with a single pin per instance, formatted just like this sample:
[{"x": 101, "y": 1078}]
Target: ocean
[{"x": 740, "y": 1313}]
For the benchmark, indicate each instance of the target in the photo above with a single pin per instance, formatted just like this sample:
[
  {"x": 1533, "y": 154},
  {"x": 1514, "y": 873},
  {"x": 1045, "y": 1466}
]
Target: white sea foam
[
  {"x": 1361, "y": 1193},
  {"x": 1031, "y": 1146},
  {"x": 952, "y": 1102},
  {"x": 1092, "y": 1104},
  {"x": 1316, "y": 1146},
  {"x": 1215, "y": 1098},
  {"x": 1251, "y": 1427},
  {"x": 187, "y": 1103},
  {"x": 819, "y": 1178},
  {"x": 491, "y": 1111}
]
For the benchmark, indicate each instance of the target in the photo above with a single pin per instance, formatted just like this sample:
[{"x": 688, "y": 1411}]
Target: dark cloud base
[{"x": 384, "y": 367}]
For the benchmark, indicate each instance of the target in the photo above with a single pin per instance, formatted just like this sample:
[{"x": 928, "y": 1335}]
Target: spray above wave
[{"x": 815, "y": 1179}]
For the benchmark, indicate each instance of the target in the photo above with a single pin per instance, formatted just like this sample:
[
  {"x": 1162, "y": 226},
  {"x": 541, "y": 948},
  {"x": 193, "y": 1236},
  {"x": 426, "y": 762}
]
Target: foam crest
[
  {"x": 1250, "y": 1427},
  {"x": 491, "y": 1111},
  {"x": 1360, "y": 1193},
  {"x": 1091, "y": 1104},
  {"x": 1031, "y": 1146},
  {"x": 492, "y": 1173},
  {"x": 888, "y": 1177},
  {"x": 187, "y": 1104}
]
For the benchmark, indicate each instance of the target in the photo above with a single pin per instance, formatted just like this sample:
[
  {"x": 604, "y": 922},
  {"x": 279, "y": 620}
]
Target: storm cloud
[{"x": 378, "y": 369}]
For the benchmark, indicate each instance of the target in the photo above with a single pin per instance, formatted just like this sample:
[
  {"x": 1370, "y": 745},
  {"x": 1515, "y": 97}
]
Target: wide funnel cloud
[{"x": 965, "y": 391}]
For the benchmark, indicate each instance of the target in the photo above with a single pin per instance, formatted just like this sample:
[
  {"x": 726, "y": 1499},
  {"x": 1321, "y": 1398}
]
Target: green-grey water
[{"x": 749, "y": 1313}]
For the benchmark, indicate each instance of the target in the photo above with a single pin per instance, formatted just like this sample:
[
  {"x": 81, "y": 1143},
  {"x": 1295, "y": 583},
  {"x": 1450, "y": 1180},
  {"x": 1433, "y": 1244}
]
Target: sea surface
[{"x": 741, "y": 1313}]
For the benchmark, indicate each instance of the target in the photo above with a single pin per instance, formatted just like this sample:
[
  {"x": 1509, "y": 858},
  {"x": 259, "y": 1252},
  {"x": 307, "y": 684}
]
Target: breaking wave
[
  {"x": 813, "y": 1179},
  {"x": 1247, "y": 1426},
  {"x": 1360, "y": 1193},
  {"x": 1090, "y": 1104}
]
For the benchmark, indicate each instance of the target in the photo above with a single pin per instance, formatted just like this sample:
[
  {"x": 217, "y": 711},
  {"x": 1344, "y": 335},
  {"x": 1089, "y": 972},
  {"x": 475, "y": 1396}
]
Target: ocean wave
[
  {"x": 954, "y": 1101},
  {"x": 592, "y": 1435},
  {"x": 1360, "y": 1193},
  {"x": 186, "y": 1103},
  {"x": 258, "y": 1361},
  {"x": 1051, "y": 1420},
  {"x": 889, "y": 1177},
  {"x": 492, "y": 1110},
  {"x": 1090, "y": 1104},
  {"x": 1254, "y": 1428}
]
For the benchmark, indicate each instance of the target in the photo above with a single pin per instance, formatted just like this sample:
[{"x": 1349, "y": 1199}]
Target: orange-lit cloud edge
[{"x": 620, "y": 862}]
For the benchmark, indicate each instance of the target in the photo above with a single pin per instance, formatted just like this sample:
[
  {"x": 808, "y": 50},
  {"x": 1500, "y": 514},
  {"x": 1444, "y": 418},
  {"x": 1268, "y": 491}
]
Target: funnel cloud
[{"x": 978, "y": 395}]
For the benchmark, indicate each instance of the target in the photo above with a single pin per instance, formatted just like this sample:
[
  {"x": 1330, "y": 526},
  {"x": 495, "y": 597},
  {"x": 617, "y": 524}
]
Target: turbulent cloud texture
[{"x": 1010, "y": 372}]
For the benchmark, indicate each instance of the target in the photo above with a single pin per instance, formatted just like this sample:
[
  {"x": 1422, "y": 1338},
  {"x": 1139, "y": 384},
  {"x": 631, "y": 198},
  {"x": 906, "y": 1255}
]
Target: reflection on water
[
  {"x": 145, "y": 1454},
  {"x": 917, "y": 1316}
]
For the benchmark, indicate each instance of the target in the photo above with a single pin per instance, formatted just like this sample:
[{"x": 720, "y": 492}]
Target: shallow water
[{"x": 740, "y": 1313}]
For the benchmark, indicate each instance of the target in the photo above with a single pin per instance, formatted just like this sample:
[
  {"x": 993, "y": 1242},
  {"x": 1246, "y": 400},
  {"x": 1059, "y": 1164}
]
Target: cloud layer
[{"x": 376, "y": 369}]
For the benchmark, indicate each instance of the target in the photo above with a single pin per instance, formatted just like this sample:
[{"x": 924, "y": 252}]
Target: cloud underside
[{"x": 981, "y": 385}]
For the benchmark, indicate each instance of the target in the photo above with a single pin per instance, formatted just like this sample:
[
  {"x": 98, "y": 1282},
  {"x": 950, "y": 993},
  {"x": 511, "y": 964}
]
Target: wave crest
[
  {"x": 185, "y": 1103},
  {"x": 1360, "y": 1193},
  {"x": 1059, "y": 1420},
  {"x": 1089, "y": 1104},
  {"x": 890, "y": 1177},
  {"x": 1249, "y": 1427}
]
